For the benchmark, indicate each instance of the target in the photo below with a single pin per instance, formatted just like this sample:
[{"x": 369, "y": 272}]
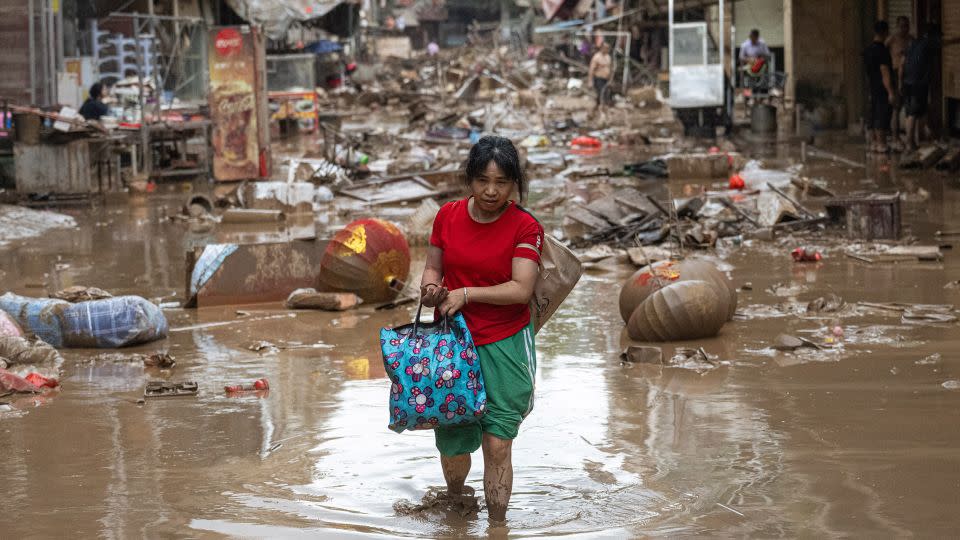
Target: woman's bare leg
[
  {"x": 455, "y": 471},
  {"x": 497, "y": 475}
]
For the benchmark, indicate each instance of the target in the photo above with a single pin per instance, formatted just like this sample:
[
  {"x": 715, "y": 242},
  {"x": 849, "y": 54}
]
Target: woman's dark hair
[
  {"x": 502, "y": 152},
  {"x": 95, "y": 90}
]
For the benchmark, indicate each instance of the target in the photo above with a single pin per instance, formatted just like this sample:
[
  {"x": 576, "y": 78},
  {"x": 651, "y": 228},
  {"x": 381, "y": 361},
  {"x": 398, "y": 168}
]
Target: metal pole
[
  {"x": 33, "y": 53},
  {"x": 51, "y": 55},
  {"x": 44, "y": 56},
  {"x": 144, "y": 130},
  {"x": 670, "y": 33},
  {"x": 157, "y": 87},
  {"x": 60, "y": 35}
]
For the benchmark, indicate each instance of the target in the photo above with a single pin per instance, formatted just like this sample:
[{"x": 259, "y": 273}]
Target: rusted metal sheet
[
  {"x": 226, "y": 274},
  {"x": 53, "y": 168}
]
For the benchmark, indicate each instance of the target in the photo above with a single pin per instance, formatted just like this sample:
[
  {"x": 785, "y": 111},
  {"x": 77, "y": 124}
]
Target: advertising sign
[{"x": 233, "y": 103}]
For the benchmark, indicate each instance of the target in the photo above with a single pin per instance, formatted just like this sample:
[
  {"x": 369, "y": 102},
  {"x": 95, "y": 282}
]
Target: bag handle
[{"x": 416, "y": 322}]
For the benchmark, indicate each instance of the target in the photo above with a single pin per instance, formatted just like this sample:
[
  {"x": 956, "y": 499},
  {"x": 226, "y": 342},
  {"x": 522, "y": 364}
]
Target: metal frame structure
[
  {"x": 148, "y": 24},
  {"x": 696, "y": 86}
]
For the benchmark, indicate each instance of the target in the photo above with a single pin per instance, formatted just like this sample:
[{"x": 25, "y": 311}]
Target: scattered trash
[
  {"x": 806, "y": 255},
  {"x": 81, "y": 294},
  {"x": 309, "y": 298},
  {"x": 826, "y": 304},
  {"x": 736, "y": 182},
  {"x": 257, "y": 385},
  {"x": 784, "y": 342},
  {"x": 586, "y": 142},
  {"x": 170, "y": 389},
  {"x": 23, "y": 351},
  {"x": 14, "y": 384},
  {"x": 934, "y": 358},
  {"x": 879, "y": 253},
  {"x": 159, "y": 360},
  {"x": 40, "y": 381},
  {"x": 9, "y": 326},
  {"x": 264, "y": 347},
  {"x": 642, "y": 354}
]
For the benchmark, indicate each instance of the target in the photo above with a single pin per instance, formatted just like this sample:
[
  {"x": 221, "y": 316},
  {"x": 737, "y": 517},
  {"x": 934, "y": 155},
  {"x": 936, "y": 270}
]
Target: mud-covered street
[
  {"x": 856, "y": 439},
  {"x": 479, "y": 269}
]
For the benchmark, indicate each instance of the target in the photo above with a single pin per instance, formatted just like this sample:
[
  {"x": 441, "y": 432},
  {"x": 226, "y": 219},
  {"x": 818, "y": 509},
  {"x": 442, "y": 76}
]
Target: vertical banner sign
[{"x": 233, "y": 104}]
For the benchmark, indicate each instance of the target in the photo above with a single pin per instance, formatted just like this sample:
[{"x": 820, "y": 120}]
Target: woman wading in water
[{"x": 483, "y": 261}]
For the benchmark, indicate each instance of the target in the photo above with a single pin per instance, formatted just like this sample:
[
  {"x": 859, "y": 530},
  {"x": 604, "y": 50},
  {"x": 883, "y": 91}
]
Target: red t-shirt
[{"x": 481, "y": 255}]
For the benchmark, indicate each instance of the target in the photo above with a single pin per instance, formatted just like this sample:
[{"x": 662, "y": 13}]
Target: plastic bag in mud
[
  {"x": 42, "y": 317},
  {"x": 19, "y": 350},
  {"x": 9, "y": 326},
  {"x": 113, "y": 322},
  {"x": 105, "y": 323}
]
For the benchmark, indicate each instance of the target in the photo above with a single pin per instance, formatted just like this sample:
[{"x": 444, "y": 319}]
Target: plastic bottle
[{"x": 259, "y": 384}]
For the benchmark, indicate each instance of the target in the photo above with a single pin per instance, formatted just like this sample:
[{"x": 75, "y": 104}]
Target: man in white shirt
[{"x": 754, "y": 48}]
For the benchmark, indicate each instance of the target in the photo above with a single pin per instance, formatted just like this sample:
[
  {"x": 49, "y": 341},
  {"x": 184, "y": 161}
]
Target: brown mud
[{"x": 856, "y": 440}]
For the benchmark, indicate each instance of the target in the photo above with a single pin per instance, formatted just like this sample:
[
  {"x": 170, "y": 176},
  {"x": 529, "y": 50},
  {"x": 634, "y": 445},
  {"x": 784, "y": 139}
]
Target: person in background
[
  {"x": 754, "y": 60},
  {"x": 876, "y": 59},
  {"x": 93, "y": 108},
  {"x": 754, "y": 49},
  {"x": 918, "y": 68},
  {"x": 898, "y": 44},
  {"x": 601, "y": 66}
]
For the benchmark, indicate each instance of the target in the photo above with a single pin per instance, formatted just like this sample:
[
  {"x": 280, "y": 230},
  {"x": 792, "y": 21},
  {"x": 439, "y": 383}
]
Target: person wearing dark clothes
[
  {"x": 918, "y": 68},
  {"x": 93, "y": 108},
  {"x": 876, "y": 58}
]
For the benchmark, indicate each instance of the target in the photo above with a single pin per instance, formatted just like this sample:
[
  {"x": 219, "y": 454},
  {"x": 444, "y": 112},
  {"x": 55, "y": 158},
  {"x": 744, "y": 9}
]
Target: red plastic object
[
  {"x": 714, "y": 150},
  {"x": 40, "y": 381},
  {"x": 736, "y": 181},
  {"x": 805, "y": 255},
  {"x": 758, "y": 65},
  {"x": 10, "y": 382},
  {"x": 259, "y": 384},
  {"x": 586, "y": 141}
]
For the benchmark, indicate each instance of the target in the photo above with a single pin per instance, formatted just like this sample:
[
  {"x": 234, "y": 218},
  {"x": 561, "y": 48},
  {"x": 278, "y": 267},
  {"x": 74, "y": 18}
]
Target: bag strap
[{"x": 416, "y": 322}]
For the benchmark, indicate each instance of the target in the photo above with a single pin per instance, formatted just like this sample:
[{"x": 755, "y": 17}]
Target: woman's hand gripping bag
[{"x": 435, "y": 374}]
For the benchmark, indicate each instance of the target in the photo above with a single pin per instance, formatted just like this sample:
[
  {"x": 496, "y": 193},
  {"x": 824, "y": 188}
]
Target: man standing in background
[
  {"x": 918, "y": 69},
  {"x": 876, "y": 59},
  {"x": 898, "y": 44}
]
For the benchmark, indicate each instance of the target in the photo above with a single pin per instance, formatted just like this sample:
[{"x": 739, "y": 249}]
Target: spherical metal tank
[
  {"x": 682, "y": 310},
  {"x": 650, "y": 278},
  {"x": 366, "y": 257}
]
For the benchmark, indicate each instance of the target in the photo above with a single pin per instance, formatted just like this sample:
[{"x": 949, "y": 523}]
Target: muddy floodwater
[{"x": 857, "y": 440}]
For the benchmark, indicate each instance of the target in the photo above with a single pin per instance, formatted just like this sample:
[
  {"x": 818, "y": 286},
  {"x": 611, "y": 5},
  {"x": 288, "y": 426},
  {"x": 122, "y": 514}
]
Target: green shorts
[{"x": 509, "y": 368}]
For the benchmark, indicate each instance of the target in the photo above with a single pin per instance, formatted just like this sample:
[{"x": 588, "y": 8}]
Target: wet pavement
[{"x": 858, "y": 440}]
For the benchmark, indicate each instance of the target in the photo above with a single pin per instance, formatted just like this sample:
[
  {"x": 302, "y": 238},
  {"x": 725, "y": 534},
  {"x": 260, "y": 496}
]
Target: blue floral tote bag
[{"x": 434, "y": 372}]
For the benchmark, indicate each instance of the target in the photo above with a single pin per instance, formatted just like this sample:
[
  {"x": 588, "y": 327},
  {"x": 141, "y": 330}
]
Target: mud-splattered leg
[
  {"x": 497, "y": 475},
  {"x": 455, "y": 471}
]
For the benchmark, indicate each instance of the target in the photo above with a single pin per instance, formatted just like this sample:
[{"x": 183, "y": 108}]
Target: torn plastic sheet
[
  {"x": 208, "y": 263},
  {"x": 276, "y": 16}
]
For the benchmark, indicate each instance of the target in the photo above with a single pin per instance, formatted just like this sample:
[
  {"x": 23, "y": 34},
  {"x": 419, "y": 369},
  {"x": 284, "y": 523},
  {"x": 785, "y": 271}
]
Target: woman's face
[{"x": 491, "y": 190}]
